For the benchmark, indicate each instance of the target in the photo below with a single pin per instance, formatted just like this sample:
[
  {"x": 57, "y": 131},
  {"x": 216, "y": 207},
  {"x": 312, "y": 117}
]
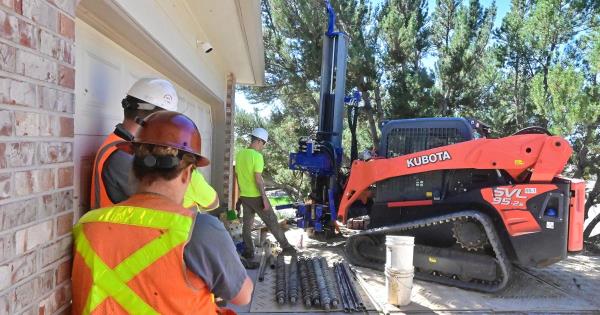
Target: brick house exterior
[
  {"x": 37, "y": 70},
  {"x": 43, "y": 176}
]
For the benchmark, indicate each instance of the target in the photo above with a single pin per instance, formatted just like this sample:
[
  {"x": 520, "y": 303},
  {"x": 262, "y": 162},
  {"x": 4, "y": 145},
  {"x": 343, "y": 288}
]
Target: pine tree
[
  {"x": 551, "y": 26},
  {"x": 406, "y": 39},
  {"x": 514, "y": 56},
  {"x": 460, "y": 36},
  {"x": 358, "y": 20}
]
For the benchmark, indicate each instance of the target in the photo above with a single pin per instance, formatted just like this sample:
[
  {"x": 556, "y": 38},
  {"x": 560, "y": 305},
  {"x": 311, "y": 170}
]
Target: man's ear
[{"x": 186, "y": 175}]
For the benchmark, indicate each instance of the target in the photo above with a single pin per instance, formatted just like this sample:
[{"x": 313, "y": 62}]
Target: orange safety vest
[
  {"x": 98, "y": 195},
  {"x": 129, "y": 259}
]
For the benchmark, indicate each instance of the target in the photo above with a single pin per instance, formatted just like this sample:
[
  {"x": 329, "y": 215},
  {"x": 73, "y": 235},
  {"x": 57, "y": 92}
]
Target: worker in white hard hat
[
  {"x": 111, "y": 179},
  {"x": 249, "y": 164}
]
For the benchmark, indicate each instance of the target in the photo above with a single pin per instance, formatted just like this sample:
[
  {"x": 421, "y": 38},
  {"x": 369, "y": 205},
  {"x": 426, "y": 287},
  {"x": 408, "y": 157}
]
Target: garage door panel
[
  {"x": 98, "y": 111},
  {"x": 98, "y": 86},
  {"x": 102, "y": 87}
]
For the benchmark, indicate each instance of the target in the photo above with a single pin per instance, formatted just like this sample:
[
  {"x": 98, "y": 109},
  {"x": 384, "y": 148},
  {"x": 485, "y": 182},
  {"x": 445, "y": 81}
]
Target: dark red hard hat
[{"x": 171, "y": 129}]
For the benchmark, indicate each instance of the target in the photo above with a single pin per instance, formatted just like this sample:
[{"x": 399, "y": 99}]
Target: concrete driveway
[{"x": 569, "y": 287}]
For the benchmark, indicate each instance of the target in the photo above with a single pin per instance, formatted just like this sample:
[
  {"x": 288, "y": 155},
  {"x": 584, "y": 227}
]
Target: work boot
[{"x": 288, "y": 251}]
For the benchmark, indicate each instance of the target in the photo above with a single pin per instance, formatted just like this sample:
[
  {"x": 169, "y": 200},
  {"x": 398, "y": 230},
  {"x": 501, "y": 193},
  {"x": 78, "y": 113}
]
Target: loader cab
[
  {"x": 408, "y": 136},
  {"x": 405, "y": 136}
]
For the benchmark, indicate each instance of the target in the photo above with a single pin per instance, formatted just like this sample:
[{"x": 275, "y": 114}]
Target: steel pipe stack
[
  {"x": 310, "y": 280},
  {"x": 351, "y": 300},
  {"x": 350, "y": 282},
  {"x": 346, "y": 302}
]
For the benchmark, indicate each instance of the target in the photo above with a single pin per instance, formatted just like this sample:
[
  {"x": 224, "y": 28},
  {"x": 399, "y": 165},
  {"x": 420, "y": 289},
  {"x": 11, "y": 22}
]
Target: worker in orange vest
[
  {"x": 149, "y": 254},
  {"x": 111, "y": 180}
]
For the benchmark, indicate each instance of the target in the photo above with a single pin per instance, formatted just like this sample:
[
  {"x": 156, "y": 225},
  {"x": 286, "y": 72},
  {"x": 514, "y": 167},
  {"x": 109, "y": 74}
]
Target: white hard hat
[
  {"x": 260, "y": 133},
  {"x": 155, "y": 92}
]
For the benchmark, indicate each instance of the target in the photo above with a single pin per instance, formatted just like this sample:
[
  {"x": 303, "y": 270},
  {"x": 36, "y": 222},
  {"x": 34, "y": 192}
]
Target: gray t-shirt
[
  {"x": 117, "y": 176},
  {"x": 211, "y": 255}
]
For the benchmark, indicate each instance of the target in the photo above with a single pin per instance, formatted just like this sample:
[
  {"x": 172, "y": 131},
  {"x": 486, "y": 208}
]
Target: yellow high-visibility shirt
[
  {"x": 248, "y": 162},
  {"x": 199, "y": 193}
]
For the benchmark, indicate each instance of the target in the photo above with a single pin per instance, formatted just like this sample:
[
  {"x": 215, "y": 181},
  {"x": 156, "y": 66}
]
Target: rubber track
[{"x": 502, "y": 260}]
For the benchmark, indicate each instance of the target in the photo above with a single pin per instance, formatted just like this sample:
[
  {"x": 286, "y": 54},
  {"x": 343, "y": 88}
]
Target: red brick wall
[{"x": 37, "y": 78}]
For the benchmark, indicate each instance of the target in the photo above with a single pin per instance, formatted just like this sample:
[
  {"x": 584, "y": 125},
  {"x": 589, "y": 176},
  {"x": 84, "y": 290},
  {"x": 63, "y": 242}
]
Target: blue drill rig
[{"x": 321, "y": 156}]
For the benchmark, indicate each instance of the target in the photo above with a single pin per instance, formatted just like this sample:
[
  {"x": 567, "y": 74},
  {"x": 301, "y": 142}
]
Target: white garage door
[{"x": 104, "y": 73}]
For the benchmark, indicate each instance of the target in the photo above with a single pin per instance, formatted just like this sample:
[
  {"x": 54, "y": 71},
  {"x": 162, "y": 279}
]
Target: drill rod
[
  {"x": 321, "y": 283},
  {"x": 293, "y": 280},
  {"x": 280, "y": 285},
  {"x": 329, "y": 282}
]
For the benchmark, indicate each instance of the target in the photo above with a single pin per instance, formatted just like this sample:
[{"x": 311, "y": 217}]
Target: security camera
[{"x": 205, "y": 46}]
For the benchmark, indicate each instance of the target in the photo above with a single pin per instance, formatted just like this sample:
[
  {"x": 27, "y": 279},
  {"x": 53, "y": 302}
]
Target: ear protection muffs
[
  {"x": 161, "y": 162},
  {"x": 149, "y": 161}
]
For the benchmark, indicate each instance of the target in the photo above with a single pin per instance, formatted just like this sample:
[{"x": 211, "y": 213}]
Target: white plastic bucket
[
  {"x": 399, "y": 286},
  {"x": 399, "y": 252}
]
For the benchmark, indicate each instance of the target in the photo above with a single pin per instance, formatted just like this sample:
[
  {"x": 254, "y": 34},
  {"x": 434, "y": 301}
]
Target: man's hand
[
  {"x": 266, "y": 204},
  {"x": 261, "y": 186}
]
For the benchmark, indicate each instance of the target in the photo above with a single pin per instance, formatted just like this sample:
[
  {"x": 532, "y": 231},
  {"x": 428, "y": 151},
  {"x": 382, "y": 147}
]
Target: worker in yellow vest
[
  {"x": 111, "y": 180},
  {"x": 200, "y": 194},
  {"x": 149, "y": 254}
]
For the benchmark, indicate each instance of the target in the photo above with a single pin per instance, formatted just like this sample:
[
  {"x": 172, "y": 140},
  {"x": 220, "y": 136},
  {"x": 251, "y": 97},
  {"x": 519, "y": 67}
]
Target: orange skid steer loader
[{"x": 474, "y": 205}]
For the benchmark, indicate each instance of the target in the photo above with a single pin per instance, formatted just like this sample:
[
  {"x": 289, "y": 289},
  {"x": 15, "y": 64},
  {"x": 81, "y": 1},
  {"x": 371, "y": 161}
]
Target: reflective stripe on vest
[
  {"x": 112, "y": 283},
  {"x": 99, "y": 196}
]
